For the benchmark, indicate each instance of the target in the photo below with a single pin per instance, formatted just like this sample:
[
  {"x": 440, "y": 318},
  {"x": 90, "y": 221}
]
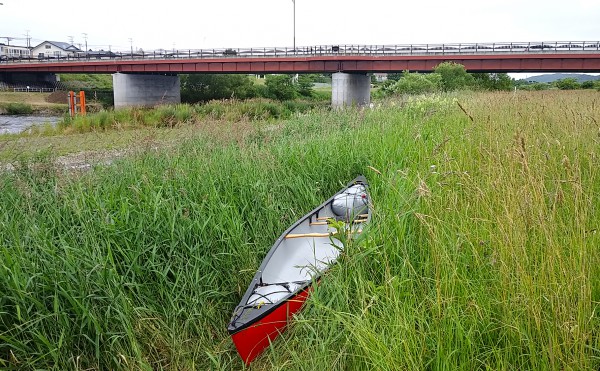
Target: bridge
[{"x": 146, "y": 78}]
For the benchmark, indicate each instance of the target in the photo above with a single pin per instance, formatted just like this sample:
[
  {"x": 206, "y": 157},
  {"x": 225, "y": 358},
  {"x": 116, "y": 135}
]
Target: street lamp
[{"x": 294, "y": 2}]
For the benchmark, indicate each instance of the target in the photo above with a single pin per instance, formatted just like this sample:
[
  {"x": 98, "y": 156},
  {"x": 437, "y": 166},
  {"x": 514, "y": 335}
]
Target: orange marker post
[{"x": 82, "y": 102}]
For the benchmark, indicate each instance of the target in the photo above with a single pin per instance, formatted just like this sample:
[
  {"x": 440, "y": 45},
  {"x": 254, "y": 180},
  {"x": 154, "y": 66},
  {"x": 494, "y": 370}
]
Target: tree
[
  {"x": 569, "y": 83},
  {"x": 493, "y": 81},
  {"x": 454, "y": 76},
  {"x": 202, "y": 88},
  {"x": 280, "y": 87},
  {"x": 305, "y": 85},
  {"x": 417, "y": 83},
  {"x": 394, "y": 76}
]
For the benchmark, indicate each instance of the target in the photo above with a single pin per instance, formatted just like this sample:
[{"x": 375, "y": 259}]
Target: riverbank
[
  {"x": 98, "y": 145},
  {"x": 39, "y": 103},
  {"x": 482, "y": 252}
]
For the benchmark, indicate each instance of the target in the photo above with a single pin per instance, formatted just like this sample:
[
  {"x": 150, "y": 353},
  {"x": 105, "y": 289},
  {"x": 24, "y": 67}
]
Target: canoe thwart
[
  {"x": 300, "y": 235},
  {"x": 359, "y": 217}
]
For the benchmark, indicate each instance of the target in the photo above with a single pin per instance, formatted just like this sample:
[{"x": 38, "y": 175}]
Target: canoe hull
[{"x": 251, "y": 341}]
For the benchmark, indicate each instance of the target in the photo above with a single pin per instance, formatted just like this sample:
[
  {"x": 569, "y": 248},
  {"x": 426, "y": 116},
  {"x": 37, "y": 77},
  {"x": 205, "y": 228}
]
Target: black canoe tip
[{"x": 360, "y": 179}]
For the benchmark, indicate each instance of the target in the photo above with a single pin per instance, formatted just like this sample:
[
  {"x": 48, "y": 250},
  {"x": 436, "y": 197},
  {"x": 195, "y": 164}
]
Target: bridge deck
[{"x": 494, "y": 57}]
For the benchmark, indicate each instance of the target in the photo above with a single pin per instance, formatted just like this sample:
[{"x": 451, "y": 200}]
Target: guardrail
[
  {"x": 34, "y": 90},
  {"x": 320, "y": 50}
]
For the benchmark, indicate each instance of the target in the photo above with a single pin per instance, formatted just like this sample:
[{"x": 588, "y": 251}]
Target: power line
[{"x": 8, "y": 39}]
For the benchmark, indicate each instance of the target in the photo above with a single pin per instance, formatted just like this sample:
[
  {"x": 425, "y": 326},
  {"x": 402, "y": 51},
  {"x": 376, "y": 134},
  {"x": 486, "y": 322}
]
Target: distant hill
[{"x": 551, "y": 77}]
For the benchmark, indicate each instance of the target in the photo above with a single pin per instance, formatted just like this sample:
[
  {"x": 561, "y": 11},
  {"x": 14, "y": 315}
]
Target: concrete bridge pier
[
  {"x": 350, "y": 89},
  {"x": 145, "y": 89}
]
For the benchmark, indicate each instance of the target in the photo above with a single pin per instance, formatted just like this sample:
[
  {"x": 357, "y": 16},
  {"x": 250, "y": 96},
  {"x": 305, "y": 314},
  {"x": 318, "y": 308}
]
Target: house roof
[
  {"x": 14, "y": 46},
  {"x": 62, "y": 45}
]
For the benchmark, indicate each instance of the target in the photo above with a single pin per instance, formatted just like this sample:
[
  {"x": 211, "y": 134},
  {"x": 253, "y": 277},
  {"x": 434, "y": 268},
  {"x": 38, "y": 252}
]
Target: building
[
  {"x": 381, "y": 77},
  {"x": 12, "y": 52},
  {"x": 55, "y": 49}
]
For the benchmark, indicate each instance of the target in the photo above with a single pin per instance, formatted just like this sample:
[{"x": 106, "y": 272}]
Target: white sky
[
  {"x": 183, "y": 24},
  {"x": 238, "y": 23}
]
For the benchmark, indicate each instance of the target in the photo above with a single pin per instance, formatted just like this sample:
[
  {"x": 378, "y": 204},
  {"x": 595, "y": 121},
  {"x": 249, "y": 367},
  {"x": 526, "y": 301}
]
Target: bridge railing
[{"x": 328, "y": 50}]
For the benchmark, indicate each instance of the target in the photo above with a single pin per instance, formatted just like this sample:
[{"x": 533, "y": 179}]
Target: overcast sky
[{"x": 258, "y": 23}]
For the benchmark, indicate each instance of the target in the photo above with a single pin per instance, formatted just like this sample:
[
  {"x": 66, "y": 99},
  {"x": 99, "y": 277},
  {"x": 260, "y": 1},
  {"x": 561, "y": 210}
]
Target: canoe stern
[{"x": 254, "y": 339}]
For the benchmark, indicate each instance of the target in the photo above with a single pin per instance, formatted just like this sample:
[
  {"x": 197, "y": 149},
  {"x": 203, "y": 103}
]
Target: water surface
[{"x": 17, "y": 124}]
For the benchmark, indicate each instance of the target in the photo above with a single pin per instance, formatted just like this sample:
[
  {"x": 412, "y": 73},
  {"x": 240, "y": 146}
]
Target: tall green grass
[
  {"x": 18, "y": 108},
  {"x": 482, "y": 254},
  {"x": 185, "y": 114}
]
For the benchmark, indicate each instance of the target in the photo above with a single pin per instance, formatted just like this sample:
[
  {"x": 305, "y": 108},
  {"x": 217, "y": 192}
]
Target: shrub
[
  {"x": 535, "y": 86},
  {"x": 212, "y": 109},
  {"x": 418, "y": 83}
]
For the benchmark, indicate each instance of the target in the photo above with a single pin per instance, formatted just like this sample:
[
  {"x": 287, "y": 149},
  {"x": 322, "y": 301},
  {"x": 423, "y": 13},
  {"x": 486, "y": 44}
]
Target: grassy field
[
  {"x": 483, "y": 253},
  {"x": 29, "y": 98}
]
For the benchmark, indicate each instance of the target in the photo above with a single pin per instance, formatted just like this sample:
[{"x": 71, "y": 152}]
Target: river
[{"x": 16, "y": 124}]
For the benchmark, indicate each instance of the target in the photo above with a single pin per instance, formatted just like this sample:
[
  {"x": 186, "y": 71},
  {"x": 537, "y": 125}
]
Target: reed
[{"x": 18, "y": 108}]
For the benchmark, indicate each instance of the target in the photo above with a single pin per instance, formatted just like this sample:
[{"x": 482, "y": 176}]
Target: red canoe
[{"x": 299, "y": 257}]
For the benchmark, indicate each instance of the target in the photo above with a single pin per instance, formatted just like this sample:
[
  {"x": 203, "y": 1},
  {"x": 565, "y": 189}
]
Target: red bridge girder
[{"x": 573, "y": 62}]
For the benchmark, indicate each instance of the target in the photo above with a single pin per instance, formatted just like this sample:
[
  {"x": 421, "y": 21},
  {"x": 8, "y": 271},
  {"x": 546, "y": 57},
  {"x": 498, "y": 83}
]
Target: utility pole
[
  {"x": 131, "y": 45},
  {"x": 28, "y": 39},
  {"x": 294, "y": 1},
  {"x": 70, "y": 39},
  {"x": 85, "y": 38}
]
